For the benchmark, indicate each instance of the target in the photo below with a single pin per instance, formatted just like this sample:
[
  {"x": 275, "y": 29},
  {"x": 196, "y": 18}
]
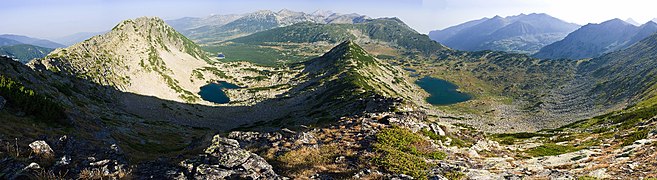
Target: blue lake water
[
  {"x": 213, "y": 92},
  {"x": 442, "y": 92}
]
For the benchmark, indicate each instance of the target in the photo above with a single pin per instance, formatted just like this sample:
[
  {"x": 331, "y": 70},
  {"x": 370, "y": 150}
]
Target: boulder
[
  {"x": 224, "y": 159},
  {"x": 42, "y": 149},
  {"x": 436, "y": 129},
  {"x": 228, "y": 152}
]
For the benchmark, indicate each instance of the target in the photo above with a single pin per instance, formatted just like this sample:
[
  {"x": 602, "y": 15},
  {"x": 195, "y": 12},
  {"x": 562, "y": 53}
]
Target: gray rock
[
  {"x": 205, "y": 171},
  {"x": 224, "y": 159},
  {"x": 100, "y": 163},
  {"x": 600, "y": 173},
  {"x": 244, "y": 136},
  {"x": 32, "y": 166},
  {"x": 306, "y": 138},
  {"x": 41, "y": 148},
  {"x": 65, "y": 160},
  {"x": 401, "y": 177},
  {"x": 436, "y": 129},
  {"x": 227, "y": 151}
]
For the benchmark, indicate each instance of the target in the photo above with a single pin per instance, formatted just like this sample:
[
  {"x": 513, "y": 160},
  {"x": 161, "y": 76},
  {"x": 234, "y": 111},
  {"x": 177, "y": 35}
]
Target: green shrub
[
  {"x": 404, "y": 152},
  {"x": 586, "y": 178},
  {"x": 455, "y": 175},
  {"x": 634, "y": 136},
  {"x": 28, "y": 101}
]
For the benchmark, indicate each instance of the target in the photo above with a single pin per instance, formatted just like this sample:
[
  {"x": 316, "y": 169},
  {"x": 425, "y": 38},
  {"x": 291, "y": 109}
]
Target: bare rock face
[{"x": 224, "y": 159}]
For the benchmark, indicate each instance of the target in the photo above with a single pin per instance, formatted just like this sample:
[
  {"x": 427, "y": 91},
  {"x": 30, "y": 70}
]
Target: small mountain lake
[
  {"x": 441, "y": 92},
  {"x": 213, "y": 92}
]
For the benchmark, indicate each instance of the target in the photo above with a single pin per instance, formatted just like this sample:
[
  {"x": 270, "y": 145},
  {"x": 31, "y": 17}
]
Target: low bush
[
  {"x": 28, "y": 101},
  {"x": 403, "y": 152}
]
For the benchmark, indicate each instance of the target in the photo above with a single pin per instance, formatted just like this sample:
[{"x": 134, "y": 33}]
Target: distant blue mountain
[
  {"x": 593, "y": 40},
  {"x": 8, "y": 42},
  {"x": 32, "y": 41},
  {"x": 77, "y": 37},
  {"x": 524, "y": 33}
]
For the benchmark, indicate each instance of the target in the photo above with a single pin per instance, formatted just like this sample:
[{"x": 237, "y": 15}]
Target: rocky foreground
[{"x": 374, "y": 146}]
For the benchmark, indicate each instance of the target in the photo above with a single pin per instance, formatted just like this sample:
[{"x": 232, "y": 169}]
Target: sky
[{"x": 56, "y": 18}]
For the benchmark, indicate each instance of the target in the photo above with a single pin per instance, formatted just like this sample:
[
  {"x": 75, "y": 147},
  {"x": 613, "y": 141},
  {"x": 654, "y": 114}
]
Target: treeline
[{"x": 28, "y": 101}]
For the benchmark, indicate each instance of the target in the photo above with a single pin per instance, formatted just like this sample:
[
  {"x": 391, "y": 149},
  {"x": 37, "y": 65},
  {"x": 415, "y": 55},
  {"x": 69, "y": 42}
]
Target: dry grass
[
  {"x": 306, "y": 161},
  {"x": 98, "y": 174},
  {"x": 49, "y": 175}
]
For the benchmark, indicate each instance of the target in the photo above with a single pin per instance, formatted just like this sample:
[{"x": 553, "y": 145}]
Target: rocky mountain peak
[
  {"x": 287, "y": 12},
  {"x": 323, "y": 13},
  {"x": 348, "y": 53},
  {"x": 144, "y": 56},
  {"x": 632, "y": 21},
  {"x": 649, "y": 23},
  {"x": 615, "y": 22}
]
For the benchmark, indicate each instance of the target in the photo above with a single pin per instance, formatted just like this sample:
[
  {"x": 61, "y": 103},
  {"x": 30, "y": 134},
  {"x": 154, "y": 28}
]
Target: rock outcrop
[{"x": 224, "y": 159}]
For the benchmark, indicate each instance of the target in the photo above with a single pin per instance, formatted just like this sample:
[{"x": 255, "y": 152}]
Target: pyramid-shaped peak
[
  {"x": 347, "y": 49},
  {"x": 286, "y": 11},
  {"x": 324, "y": 13},
  {"x": 346, "y": 55},
  {"x": 615, "y": 21},
  {"x": 632, "y": 21},
  {"x": 649, "y": 23}
]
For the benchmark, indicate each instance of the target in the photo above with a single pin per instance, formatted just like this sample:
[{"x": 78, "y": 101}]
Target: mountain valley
[{"x": 325, "y": 95}]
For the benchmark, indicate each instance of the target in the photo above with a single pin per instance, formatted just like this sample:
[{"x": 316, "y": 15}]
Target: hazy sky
[{"x": 55, "y": 18}]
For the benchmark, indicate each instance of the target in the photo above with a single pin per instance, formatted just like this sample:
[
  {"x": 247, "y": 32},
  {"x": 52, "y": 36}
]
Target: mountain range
[
  {"x": 128, "y": 104},
  {"x": 593, "y": 40},
  {"x": 24, "y": 49},
  {"x": 219, "y": 28},
  {"x": 524, "y": 33},
  {"x": 31, "y": 41}
]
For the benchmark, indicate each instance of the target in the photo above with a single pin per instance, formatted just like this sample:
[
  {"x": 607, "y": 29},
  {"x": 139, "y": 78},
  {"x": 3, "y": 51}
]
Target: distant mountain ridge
[
  {"x": 524, "y": 33},
  {"x": 32, "y": 41},
  {"x": 232, "y": 27},
  {"x": 187, "y": 23},
  {"x": 386, "y": 31},
  {"x": 24, "y": 52},
  {"x": 593, "y": 40},
  {"x": 8, "y": 42},
  {"x": 77, "y": 37}
]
